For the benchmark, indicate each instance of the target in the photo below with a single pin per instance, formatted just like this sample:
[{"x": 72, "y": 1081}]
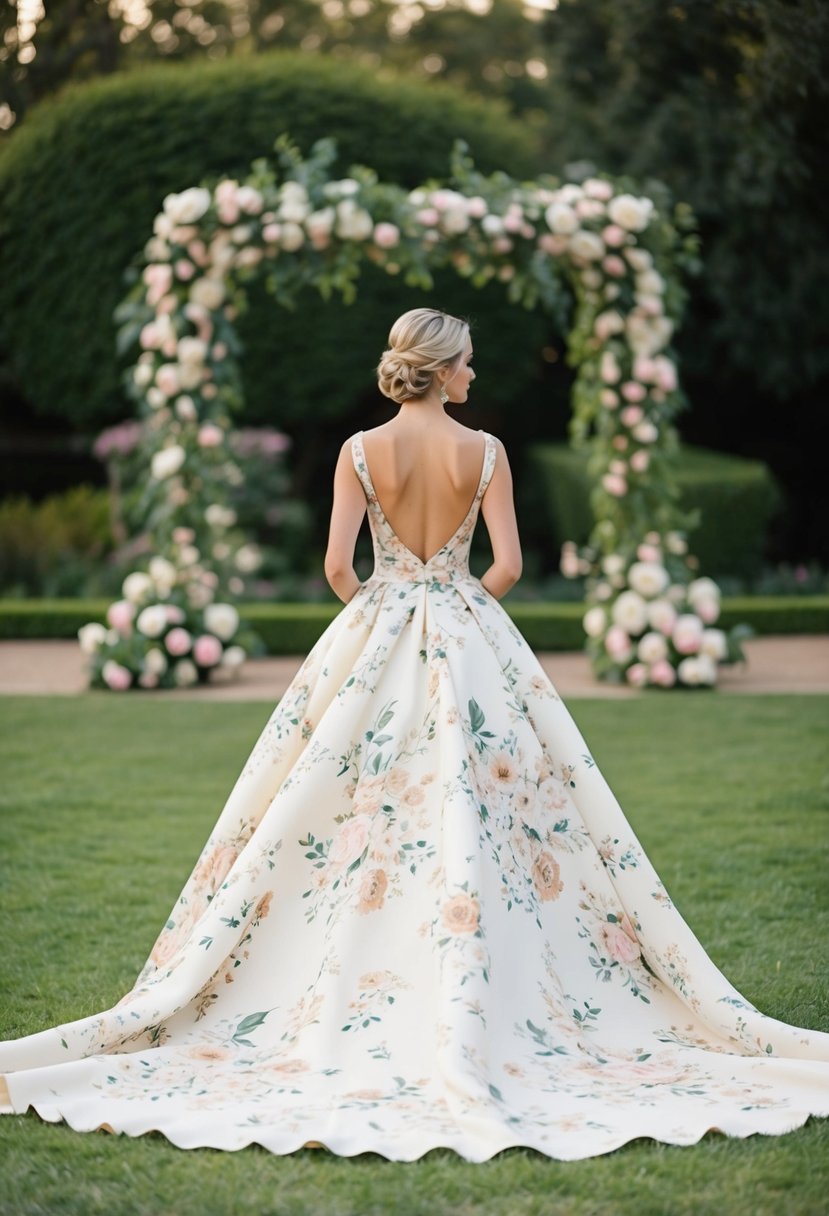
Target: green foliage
[
  {"x": 105, "y": 807},
  {"x": 293, "y": 628},
  {"x": 736, "y": 499},
  {"x": 76, "y": 207},
  {"x": 50, "y": 547}
]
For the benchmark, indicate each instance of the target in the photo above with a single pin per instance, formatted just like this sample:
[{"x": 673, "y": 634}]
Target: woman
[{"x": 422, "y": 917}]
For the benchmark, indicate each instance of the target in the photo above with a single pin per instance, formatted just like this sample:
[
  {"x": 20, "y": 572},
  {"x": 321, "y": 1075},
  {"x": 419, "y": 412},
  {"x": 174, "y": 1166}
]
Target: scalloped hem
[{"x": 790, "y": 1122}]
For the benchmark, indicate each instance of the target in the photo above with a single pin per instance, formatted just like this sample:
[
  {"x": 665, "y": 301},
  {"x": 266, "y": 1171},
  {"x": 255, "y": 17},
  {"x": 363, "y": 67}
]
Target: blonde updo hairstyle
[{"x": 420, "y": 342}]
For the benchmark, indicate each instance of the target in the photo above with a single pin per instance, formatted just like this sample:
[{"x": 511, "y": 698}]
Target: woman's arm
[
  {"x": 498, "y": 510},
  {"x": 347, "y": 511}
]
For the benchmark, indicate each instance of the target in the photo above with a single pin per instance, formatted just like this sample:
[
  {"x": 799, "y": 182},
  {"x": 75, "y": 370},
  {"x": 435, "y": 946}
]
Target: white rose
[
  {"x": 91, "y": 637},
  {"x": 706, "y": 668},
  {"x": 250, "y": 200},
  {"x": 702, "y": 589},
  {"x": 688, "y": 670},
  {"x": 342, "y": 187},
  {"x": 234, "y": 656},
  {"x": 631, "y": 612},
  {"x": 648, "y": 578},
  {"x": 639, "y": 259},
  {"x": 292, "y": 237},
  {"x": 454, "y": 220},
  {"x": 209, "y": 293},
  {"x": 155, "y": 661},
  {"x": 594, "y": 622},
  {"x": 675, "y": 543},
  {"x": 492, "y": 225},
  {"x": 190, "y": 375},
  {"x": 142, "y": 374},
  {"x": 152, "y": 621},
  {"x": 199, "y": 595},
  {"x": 353, "y": 223},
  {"x": 221, "y": 619},
  {"x": 650, "y": 282},
  {"x": 220, "y": 517},
  {"x": 136, "y": 586},
  {"x": 629, "y": 212},
  {"x": 191, "y": 350},
  {"x": 714, "y": 643},
  {"x": 167, "y": 461},
  {"x": 645, "y": 432},
  {"x": 185, "y": 673},
  {"x": 652, "y": 647},
  {"x": 161, "y": 570},
  {"x": 589, "y": 246},
  {"x": 248, "y": 559},
  {"x": 614, "y": 563},
  {"x": 561, "y": 218},
  {"x": 187, "y": 207},
  {"x": 661, "y": 615}
]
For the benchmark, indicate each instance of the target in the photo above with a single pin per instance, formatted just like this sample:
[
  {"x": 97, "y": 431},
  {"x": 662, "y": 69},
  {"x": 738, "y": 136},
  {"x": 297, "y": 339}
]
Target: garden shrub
[
  {"x": 736, "y": 498},
  {"x": 52, "y": 547}
]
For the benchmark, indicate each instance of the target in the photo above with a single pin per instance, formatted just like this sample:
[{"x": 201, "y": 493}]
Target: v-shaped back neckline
[{"x": 385, "y": 517}]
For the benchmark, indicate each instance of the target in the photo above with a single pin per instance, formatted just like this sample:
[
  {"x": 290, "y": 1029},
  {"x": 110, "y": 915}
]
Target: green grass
[{"x": 105, "y": 804}]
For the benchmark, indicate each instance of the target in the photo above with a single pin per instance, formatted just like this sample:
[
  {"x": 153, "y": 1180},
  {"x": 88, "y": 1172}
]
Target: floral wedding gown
[{"x": 422, "y": 919}]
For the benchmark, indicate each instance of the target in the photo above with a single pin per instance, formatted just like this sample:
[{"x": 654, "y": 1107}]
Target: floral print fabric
[{"x": 422, "y": 919}]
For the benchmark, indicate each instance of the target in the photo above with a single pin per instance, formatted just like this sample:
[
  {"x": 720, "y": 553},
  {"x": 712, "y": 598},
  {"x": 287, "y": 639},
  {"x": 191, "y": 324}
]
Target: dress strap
[
  {"x": 490, "y": 454},
  {"x": 359, "y": 460}
]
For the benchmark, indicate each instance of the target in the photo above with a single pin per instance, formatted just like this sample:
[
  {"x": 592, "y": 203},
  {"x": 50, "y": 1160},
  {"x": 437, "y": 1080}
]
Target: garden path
[{"x": 776, "y": 664}]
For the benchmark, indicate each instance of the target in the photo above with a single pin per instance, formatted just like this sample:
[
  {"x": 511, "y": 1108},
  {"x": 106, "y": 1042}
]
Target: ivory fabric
[{"x": 422, "y": 919}]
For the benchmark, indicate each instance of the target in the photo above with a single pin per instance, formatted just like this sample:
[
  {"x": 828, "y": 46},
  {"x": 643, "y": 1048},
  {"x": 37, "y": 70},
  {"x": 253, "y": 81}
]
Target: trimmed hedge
[
  {"x": 737, "y": 498},
  {"x": 82, "y": 180},
  {"x": 294, "y": 628}
]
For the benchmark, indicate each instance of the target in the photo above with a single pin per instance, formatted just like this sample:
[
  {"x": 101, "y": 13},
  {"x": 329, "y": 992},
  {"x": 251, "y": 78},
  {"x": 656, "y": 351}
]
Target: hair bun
[{"x": 420, "y": 341}]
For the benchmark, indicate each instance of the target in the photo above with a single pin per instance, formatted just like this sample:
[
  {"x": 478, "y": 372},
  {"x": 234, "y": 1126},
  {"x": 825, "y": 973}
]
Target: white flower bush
[
  {"x": 597, "y": 243},
  {"x": 167, "y": 631},
  {"x": 657, "y": 630}
]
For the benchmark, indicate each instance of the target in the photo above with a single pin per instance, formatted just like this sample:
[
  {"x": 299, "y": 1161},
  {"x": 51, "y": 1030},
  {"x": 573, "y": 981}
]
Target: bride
[{"x": 422, "y": 918}]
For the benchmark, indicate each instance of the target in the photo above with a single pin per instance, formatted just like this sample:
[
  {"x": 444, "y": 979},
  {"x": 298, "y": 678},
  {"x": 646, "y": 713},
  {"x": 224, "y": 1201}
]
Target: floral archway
[{"x": 613, "y": 258}]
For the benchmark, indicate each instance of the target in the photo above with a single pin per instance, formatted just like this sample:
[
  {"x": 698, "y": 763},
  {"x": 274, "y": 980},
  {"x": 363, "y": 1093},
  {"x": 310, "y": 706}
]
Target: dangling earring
[{"x": 444, "y": 396}]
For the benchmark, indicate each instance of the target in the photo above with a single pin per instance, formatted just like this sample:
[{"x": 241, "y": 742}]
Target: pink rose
[
  {"x": 707, "y": 610},
  {"x": 637, "y": 674},
  {"x": 148, "y": 679},
  {"x": 184, "y": 269},
  {"x": 615, "y": 485},
  {"x": 639, "y": 461},
  {"x": 631, "y": 415},
  {"x": 687, "y": 634},
  {"x": 553, "y": 243},
  {"x": 120, "y": 615},
  {"x": 632, "y": 390},
  {"x": 609, "y": 398},
  {"x": 115, "y": 676},
  {"x": 614, "y": 266},
  {"x": 351, "y": 840},
  {"x": 613, "y": 235},
  {"x": 617, "y": 643},
  {"x": 648, "y": 553},
  {"x": 428, "y": 216},
  {"x": 210, "y": 435},
  {"x": 619, "y": 945},
  {"x": 207, "y": 650},
  {"x": 178, "y": 641},
  {"x": 386, "y": 236},
  {"x": 663, "y": 674}
]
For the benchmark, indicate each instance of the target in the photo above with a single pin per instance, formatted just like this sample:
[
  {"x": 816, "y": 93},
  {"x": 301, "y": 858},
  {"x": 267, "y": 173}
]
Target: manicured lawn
[{"x": 105, "y": 803}]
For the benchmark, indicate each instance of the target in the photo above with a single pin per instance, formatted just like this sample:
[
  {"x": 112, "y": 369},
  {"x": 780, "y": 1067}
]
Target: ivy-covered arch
[{"x": 605, "y": 262}]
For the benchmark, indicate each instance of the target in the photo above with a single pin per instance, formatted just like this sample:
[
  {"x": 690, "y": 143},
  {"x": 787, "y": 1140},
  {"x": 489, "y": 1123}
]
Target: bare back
[{"x": 425, "y": 479}]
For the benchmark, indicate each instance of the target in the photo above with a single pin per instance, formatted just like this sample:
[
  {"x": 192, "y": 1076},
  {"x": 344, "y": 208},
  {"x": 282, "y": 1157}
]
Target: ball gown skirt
[{"x": 422, "y": 919}]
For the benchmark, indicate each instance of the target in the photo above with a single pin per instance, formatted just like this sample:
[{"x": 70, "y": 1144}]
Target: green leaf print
[
  {"x": 476, "y": 716},
  {"x": 248, "y": 1024}
]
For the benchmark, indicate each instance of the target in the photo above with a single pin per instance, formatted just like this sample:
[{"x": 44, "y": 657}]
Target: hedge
[
  {"x": 294, "y": 628},
  {"x": 82, "y": 180},
  {"x": 737, "y": 498}
]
